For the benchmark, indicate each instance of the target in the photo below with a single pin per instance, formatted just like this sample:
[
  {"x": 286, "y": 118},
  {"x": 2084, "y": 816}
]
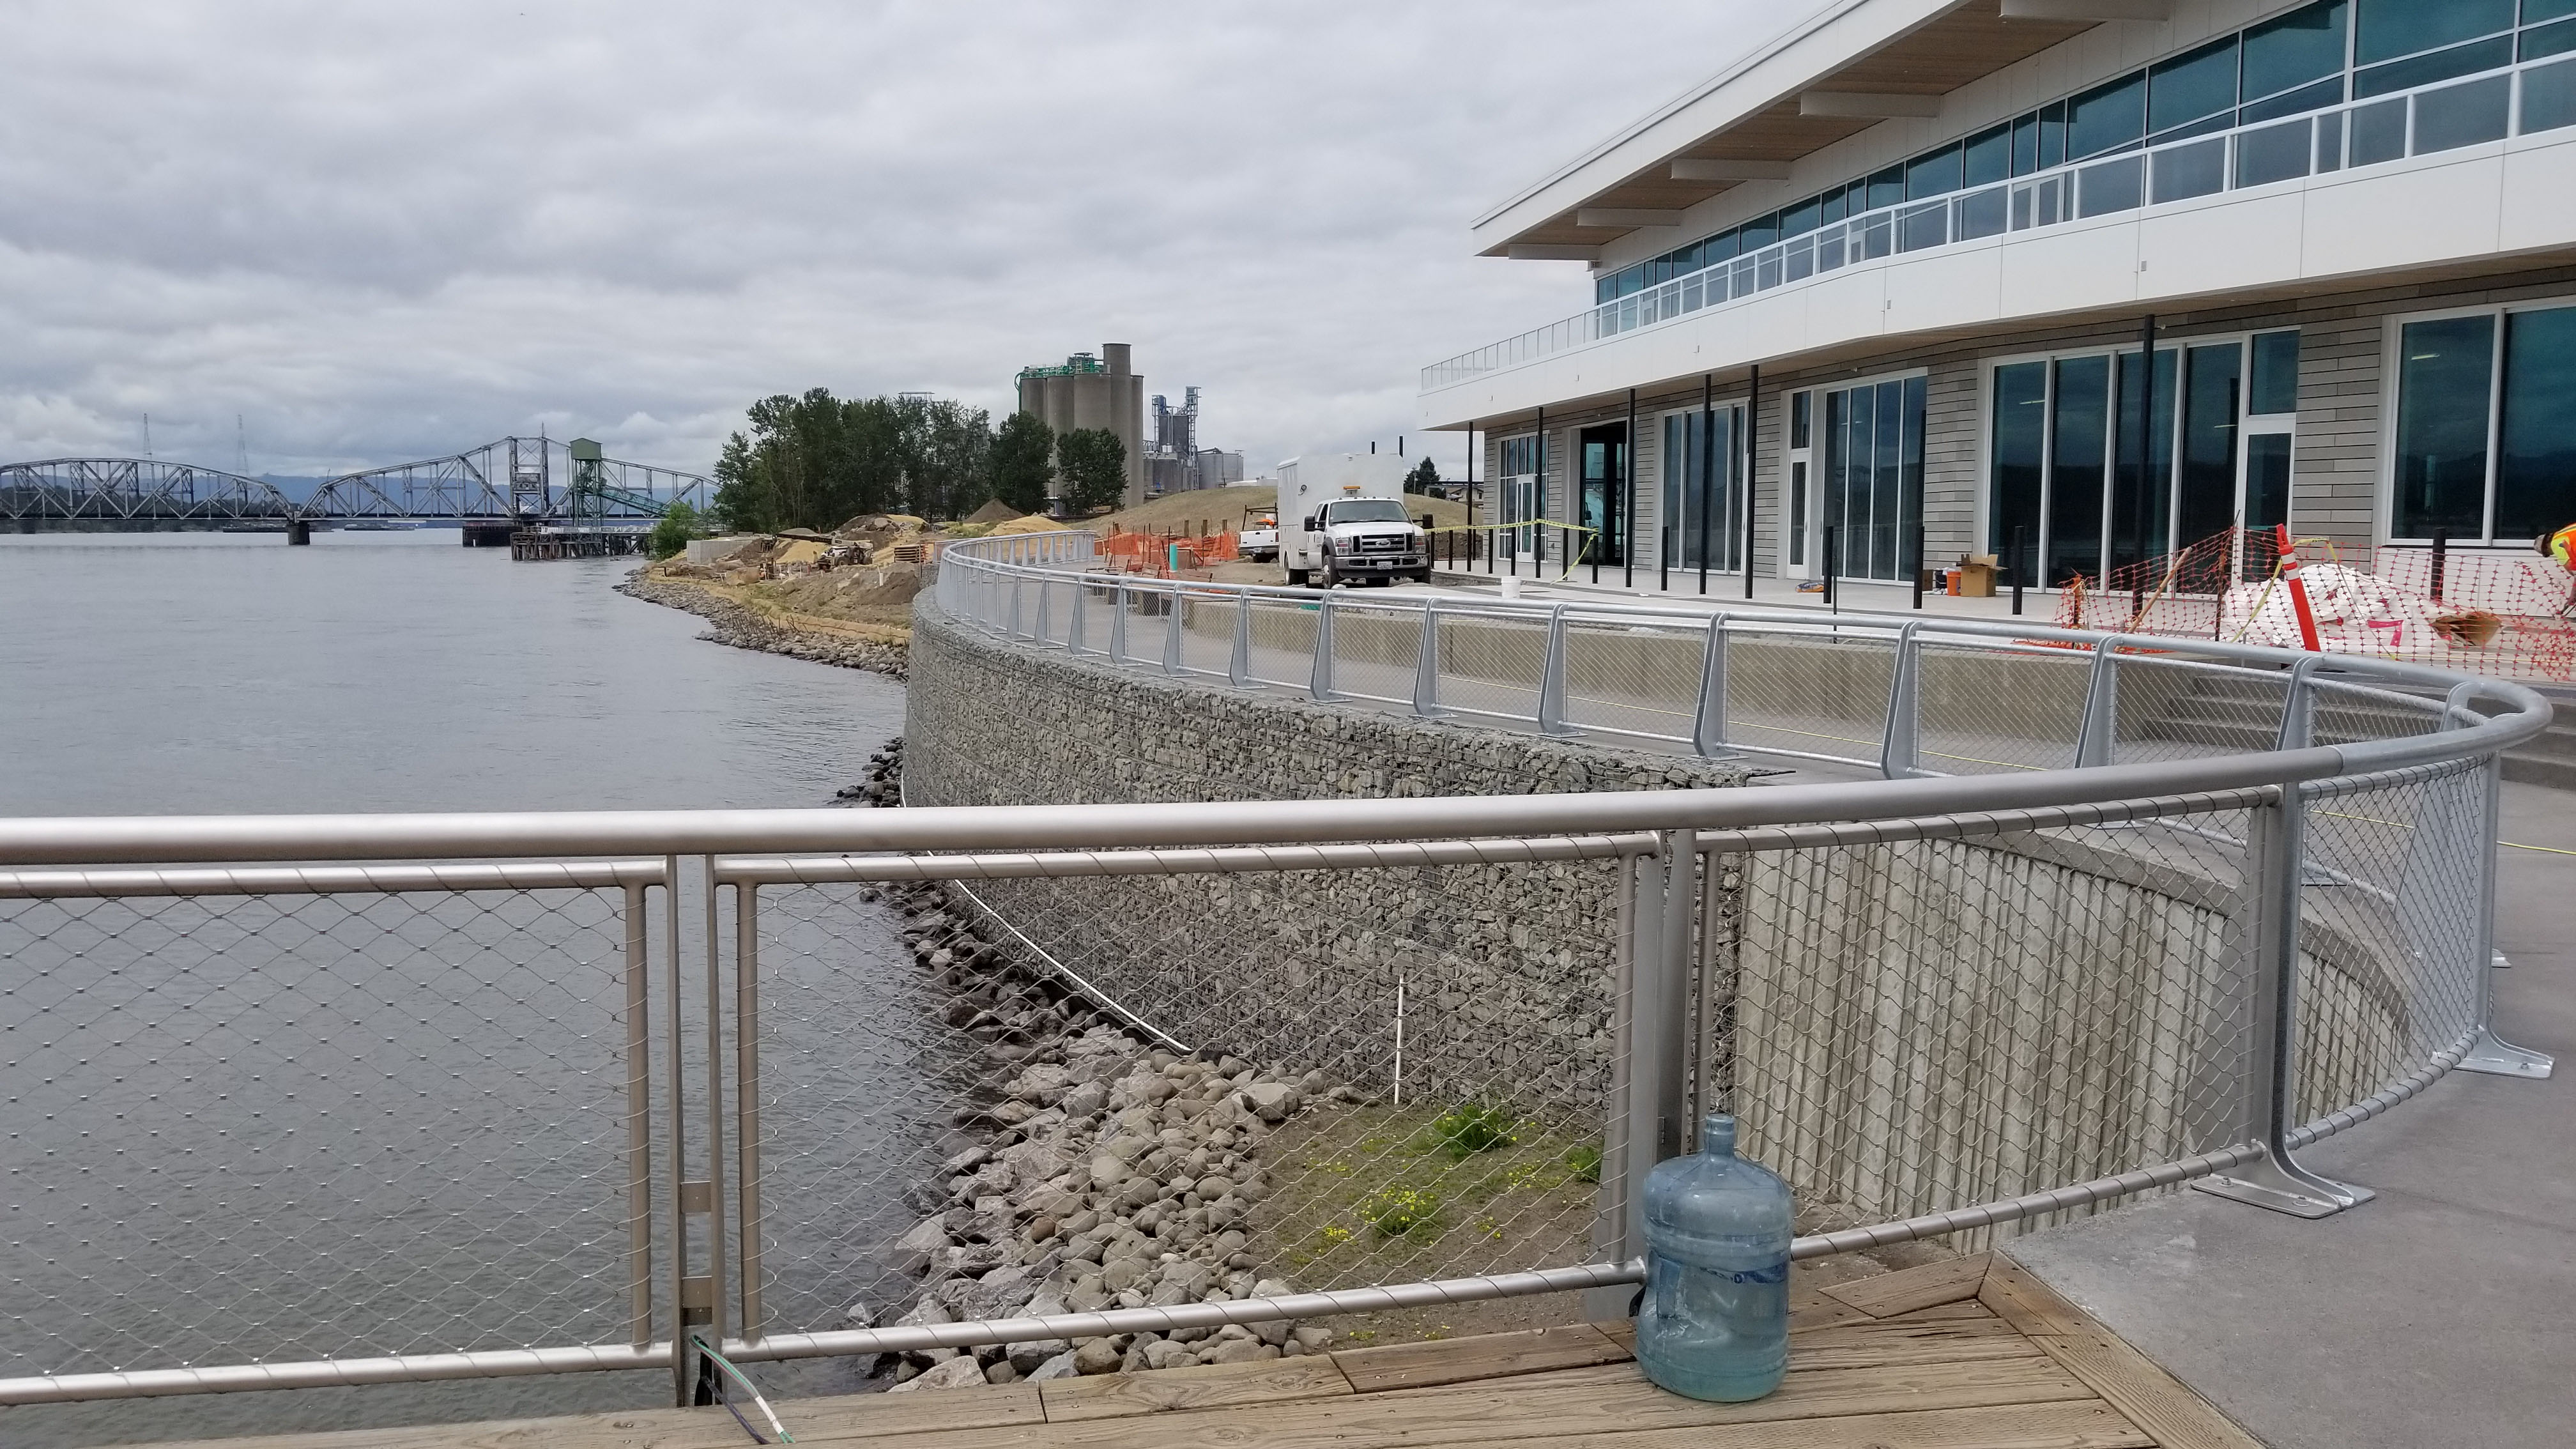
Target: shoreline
[
  {"x": 1104, "y": 1171},
  {"x": 740, "y": 627}
]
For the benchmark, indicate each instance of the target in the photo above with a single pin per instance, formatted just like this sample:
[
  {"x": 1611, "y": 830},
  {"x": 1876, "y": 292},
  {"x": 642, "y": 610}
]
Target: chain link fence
[{"x": 314, "y": 1125}]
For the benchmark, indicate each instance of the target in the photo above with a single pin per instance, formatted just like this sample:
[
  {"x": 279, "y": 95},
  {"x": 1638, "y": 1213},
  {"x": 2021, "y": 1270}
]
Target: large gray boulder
[{"x": 956, "y": 1373}]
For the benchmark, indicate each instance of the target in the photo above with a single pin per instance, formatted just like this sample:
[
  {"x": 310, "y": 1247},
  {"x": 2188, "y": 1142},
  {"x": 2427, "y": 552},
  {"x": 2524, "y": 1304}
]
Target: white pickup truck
[
  {"x": 1350, "y": 522},
  {"x": 1259, "y": 540}
]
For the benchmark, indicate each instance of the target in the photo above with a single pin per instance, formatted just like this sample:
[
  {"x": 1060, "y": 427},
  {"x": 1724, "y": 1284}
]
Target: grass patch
[{"x": 1372, "y": 1195}]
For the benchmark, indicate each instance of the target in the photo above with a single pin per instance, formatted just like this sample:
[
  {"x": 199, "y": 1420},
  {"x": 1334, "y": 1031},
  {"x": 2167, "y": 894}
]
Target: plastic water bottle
[{"x": 1714, "y": 1321}]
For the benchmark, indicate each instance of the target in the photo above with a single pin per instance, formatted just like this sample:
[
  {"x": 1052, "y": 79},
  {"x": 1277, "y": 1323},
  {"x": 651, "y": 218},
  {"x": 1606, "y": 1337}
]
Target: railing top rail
[{"x": 148, "y": 839}]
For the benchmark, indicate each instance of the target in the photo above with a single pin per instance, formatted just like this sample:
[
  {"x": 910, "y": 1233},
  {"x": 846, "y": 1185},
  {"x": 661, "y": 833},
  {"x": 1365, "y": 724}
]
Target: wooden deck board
[
  {"x": 1905, "y": 1290},
  {"x": 2026, "y": 1303},
  {"x": 2150, "y": 1398},
  {"x": 2087, "y": 1424},
  {"x": 1215, "y": 1386},
  {"x": 1566, "y": 1405},
  {"x": 1487, "y": 1356},
  {"x": 1946, "y": 1356}
]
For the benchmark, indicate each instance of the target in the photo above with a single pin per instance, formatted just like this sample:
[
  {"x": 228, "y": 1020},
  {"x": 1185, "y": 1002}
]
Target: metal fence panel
[{"x": 308, "y": 1126}]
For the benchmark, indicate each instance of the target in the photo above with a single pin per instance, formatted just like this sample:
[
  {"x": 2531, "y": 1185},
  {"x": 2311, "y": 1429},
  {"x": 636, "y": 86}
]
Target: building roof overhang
[{"x": 1834, "y": 74}]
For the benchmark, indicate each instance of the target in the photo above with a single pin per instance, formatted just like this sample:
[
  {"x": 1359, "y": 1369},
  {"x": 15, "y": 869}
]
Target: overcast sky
[{"x": 379, "y": 231}]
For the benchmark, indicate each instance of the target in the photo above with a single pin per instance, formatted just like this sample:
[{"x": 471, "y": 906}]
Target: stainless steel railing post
[
  {"x": 1075, "y": 636},
  {"x": 1011, "y": 629},
  {"x": 746, "y": 1026},
  {"x": 1118, "y": 626},
  {"x": 1708, "y": 721},
  {"x": 688, "y": 1304},
  {"x": 1319, "y": 678},
  {"x": 1900, "y": 754},
  {"x": 1426, "y": 663},
  {"x": 2267, "y": 940},
  {"x": 1172, "y": 629},
  {"x": 2490, "y": 1053},
  {"x": 639, "y": 1118},
  {"x": 1045, "y": 631},
  {"x": 717, "y": 1256},
  {"x": 1551, "y": 677},
  {"x": 2097, "y": 737},
  {"x": 1238, "y": 664}
]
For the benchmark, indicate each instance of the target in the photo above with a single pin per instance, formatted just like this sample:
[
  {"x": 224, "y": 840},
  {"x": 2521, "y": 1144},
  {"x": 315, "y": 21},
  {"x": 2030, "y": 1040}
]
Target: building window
[
  {"x": 1798, "y": 458},
  {"x": 1703, "y": 513},
  {"x": 2485, "y": 447},
  {"x": 1873, "y": 476},
  {"x": 1517, "y": 499},
  {"x": 2074, "y": 488}
]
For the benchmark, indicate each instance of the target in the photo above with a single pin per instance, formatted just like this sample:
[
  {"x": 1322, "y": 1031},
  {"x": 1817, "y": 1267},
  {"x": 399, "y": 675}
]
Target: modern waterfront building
[
  {"x": 1093, "y": 392},
  {"x": 1890, "y": 278}
]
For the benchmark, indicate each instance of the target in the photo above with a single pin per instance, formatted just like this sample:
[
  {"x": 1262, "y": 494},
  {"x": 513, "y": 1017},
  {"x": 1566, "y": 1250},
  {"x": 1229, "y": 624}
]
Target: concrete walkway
[{"x": 2444, "y": 1313}]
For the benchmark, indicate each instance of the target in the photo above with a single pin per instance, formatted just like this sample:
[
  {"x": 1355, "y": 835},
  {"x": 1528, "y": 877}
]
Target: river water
[{"x": 204, "y": 673}]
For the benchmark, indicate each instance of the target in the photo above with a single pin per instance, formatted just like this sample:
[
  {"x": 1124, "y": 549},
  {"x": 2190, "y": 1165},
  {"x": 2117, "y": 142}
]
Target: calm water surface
[{"x": 200, "y": 673}]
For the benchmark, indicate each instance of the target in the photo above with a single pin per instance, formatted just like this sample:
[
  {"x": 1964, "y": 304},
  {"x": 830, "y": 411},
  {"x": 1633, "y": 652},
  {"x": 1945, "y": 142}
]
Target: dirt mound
[
  {"x": 879, "y": 524},
  {"x": 1035, "y": 523},
  {"x": 995, "y": 511}
]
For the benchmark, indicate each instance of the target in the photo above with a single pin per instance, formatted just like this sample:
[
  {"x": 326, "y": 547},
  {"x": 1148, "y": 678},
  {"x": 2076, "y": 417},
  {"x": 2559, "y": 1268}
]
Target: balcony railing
[{"x": 2516, "y": 100}]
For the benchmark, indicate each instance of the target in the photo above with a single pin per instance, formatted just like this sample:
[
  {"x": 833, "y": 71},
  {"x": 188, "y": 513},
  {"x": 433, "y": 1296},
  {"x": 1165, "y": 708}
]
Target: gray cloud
[{"x": 387, "y": 231}]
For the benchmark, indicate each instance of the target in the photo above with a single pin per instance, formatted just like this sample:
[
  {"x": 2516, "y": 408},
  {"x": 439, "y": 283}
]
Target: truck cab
[{"x": 1342, "y": 520}]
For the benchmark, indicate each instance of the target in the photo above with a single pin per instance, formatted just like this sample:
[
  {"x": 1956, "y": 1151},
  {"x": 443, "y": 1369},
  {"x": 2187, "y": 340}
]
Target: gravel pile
[
  {"x": 1111, "y": 1174},
  {"x": 743, "y": 629}
]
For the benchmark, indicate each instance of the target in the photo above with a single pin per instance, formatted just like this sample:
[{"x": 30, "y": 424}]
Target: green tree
[
  {"x": 1024, "y": 462},
  {"x": 743, "y": 503},
  {"x": 1094, "y": 464},
  {"x": 813, "y": 460},
  {"x": 1424, "y": 477},
  {"x": 947, "y": 451},
  {"x": 679, "y": 524}
]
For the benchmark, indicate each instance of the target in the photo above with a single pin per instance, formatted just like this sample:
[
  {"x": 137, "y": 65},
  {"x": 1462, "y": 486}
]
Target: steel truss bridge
[{"x": 515, "y": 481}]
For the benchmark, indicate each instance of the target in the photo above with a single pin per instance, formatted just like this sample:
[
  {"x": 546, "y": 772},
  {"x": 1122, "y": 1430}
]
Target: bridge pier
[{"x": 299, "y": 531}]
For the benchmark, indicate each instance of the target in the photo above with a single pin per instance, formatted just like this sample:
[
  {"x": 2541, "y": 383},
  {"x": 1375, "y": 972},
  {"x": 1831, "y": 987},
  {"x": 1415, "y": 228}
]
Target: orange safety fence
[
  {"x": 2498, "y": 611},
  {"x": 1158, "y": 554}
]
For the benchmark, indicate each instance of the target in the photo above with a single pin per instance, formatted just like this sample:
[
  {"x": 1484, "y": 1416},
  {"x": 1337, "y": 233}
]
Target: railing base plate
[
  {"x": 2496, "y": 1057},
  {"x": 2264, "y": 1185}
]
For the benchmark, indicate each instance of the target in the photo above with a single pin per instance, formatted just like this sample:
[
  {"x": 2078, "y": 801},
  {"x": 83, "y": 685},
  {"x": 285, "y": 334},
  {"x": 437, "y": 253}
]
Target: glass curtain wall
[
  {"x": 2068, "y": 490},
  {"x": 2486, "y": 439},
  {"x": 1703, "y": 514},
  {"x": 1873, "y": 478}
]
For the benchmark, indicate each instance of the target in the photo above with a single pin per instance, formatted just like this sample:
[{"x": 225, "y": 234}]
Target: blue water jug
[{"x": 1714, "y": 1320}]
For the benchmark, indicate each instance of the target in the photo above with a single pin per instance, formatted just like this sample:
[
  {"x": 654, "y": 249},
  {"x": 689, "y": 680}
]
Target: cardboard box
[{"x": 1975, "y": 574}]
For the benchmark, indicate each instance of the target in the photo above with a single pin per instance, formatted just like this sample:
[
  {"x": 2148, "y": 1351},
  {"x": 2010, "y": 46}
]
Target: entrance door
[{"x": 1604, "y": 494}]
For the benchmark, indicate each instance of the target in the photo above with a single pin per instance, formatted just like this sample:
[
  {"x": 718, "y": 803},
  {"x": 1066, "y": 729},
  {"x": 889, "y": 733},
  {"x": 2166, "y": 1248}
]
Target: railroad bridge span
[{"x": 502, "y": 486}]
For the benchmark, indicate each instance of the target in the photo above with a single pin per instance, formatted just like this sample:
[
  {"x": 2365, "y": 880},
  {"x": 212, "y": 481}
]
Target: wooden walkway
[{"x": 1964, "y": 1354}]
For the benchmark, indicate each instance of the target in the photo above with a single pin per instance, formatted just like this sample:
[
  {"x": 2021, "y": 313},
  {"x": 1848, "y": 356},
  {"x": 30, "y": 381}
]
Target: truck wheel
[
  {"x": 1326, "y": 579},
  {"x": 1296, "y": 578},
  {"x": 1422, "y": 577}
]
